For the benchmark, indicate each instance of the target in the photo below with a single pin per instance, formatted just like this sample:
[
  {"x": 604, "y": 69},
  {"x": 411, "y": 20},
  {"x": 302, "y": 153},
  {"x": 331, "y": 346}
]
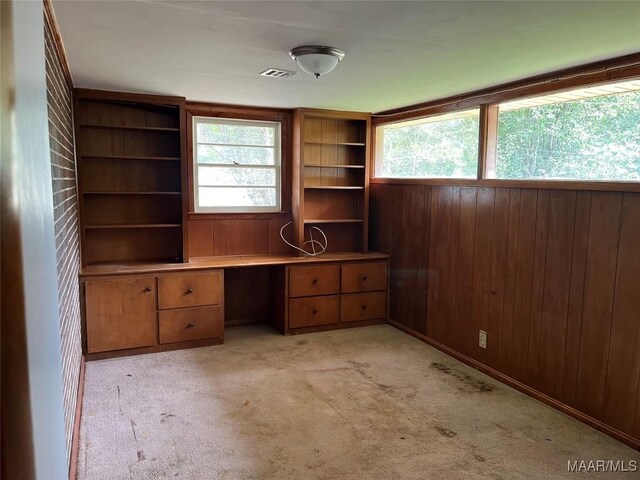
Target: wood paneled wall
[
  {"x": 553, "y": 277},
  {"x": 238, "y": 236}
]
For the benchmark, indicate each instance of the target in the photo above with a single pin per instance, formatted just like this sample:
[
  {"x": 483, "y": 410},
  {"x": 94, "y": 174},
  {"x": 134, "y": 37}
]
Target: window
[
  {"x": 236, "y": 165},
  {"x": 587, "y": 134},
  {"x": 441, "y": 146}
]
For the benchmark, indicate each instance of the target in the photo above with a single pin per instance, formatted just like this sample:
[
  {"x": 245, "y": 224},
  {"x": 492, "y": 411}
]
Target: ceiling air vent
[{"x": 277, "y": 73}]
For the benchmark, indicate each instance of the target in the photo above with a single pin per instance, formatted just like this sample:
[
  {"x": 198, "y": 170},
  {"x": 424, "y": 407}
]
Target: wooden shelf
[
  {"x": 333, "y": 220},
  {"x": 333, "y": 187},
  {"x": 133, "y": 193},
  {"x": 137, "y": 225},
  {"x": 335, "y": 166},
  {"x": 125, "y": 157},
  {"x": 131, "y": 127},
  {"x": 346, "y": 144}
]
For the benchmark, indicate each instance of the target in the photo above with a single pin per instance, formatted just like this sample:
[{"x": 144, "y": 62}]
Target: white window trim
[{"x": 277, "y": 165}]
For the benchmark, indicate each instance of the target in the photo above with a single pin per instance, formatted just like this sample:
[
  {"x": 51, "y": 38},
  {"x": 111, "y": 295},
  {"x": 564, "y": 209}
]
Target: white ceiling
[{"x": 397, "y": 52}]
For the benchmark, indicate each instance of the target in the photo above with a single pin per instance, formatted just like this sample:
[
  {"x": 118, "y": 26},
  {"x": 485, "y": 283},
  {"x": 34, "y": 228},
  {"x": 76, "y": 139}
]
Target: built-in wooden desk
[{"x": 150, "y": 307}]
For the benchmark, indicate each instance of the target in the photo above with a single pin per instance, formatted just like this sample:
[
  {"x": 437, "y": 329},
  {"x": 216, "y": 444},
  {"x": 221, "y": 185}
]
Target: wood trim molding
[
  {"x": 505, "y": 183},
  {"x": 619, "y": 68},
  {"x": 521, "y": 387},
  {"x": 50, "y": 18},
  {"x": 75, "y": 442}
]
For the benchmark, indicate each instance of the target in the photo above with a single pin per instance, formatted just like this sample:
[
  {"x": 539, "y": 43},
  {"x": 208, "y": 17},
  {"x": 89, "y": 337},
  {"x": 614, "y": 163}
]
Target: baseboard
[
  {"x": 75, "y": 439},
  {"x": 523, "y": 388}
]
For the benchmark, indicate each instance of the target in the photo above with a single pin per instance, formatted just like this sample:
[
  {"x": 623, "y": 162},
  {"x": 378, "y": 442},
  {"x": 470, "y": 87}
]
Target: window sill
[
  {"x": 511, "y": 183},
  {"x": 237, "y": 216}
]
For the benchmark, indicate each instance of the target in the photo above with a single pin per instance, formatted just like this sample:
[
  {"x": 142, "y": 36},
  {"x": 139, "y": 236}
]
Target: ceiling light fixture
[{"x": 316, "y": 60}]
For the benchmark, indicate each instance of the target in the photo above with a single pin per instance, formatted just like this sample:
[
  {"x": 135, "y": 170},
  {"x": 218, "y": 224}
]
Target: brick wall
[{"x": 65, "y": 203}]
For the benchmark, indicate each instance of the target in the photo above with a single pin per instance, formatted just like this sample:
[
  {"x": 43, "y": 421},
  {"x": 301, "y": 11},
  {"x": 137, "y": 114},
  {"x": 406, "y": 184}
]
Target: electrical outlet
[{"x": 482, "y": 339}]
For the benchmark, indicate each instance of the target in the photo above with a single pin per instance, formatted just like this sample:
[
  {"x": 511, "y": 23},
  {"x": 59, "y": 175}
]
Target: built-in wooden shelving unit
[
  {"x": 330, "y": 177},
  {"x": 130, "y": 182}
]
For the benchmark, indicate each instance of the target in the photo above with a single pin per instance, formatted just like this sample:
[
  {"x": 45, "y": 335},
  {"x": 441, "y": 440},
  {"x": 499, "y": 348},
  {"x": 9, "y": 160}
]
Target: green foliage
[
  {"x": 446, "y": 148},
  {"x": 595, "y": 138}
]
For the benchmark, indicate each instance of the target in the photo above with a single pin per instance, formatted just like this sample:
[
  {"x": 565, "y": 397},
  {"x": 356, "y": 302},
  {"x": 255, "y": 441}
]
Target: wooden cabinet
[
  {"x": 149, "y": 313},
  {"x": 331, "y": 177},
  {"x": 321, "y": 297},
  {"x": 129, "y": 156},
  {"x": 120, "y": 313}
]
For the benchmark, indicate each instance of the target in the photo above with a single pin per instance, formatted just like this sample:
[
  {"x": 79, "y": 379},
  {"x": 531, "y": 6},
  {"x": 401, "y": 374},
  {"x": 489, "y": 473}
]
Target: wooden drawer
[
  {"x": 315, "y": 280},
  {"x": 191, "y": 324},
  {"x": 364, "y": 277},
  {"x": 190, "y": 289},
  {"x": 312, "y": 311},
  {"x": 363, "y": 306}
]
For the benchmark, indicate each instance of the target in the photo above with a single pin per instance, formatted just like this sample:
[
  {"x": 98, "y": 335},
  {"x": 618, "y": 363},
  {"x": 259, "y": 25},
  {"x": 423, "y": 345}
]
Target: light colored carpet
[{"x": 365, "y": 403}]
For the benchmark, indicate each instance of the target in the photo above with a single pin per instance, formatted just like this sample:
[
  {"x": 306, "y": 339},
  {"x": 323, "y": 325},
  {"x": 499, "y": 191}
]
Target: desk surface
[{"x": 234, "y": 261}]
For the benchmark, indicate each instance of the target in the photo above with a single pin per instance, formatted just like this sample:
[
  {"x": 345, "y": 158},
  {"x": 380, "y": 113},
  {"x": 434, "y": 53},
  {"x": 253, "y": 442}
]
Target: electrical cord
[{"x": 311, "y": 241}]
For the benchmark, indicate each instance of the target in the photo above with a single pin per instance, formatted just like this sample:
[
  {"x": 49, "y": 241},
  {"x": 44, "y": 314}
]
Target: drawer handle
[
  {"x": 147, "y": 289},
  {"x": 189, "y": 291},
  {"x": 363, "y": 306},
  {"x": 314, "y": 281},
  {"x": 364, "y": 278},
  {"x": 314, "y": 311},
  {"x": 190, "y": 325}
]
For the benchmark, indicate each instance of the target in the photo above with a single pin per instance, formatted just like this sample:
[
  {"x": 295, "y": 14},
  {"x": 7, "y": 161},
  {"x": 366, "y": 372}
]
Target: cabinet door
[{"x": 121, "y": 313}]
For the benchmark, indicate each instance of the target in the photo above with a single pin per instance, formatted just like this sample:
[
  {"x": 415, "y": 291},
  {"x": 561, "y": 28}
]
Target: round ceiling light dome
[{"x": 316, "y": 60}]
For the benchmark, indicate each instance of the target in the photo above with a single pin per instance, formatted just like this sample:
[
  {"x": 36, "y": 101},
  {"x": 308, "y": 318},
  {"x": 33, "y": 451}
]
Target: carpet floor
[{"x": 365, "y": 403}]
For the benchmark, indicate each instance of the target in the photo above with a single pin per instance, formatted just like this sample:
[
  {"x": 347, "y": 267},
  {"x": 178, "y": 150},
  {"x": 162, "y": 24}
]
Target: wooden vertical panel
[
  {"x": 510, "y": 281},
  {"x": 624, "y": 354},
  {"x": 562, "y": 205},
  {"x": 439, "y": 266},
  {"x": 598, "y": 301},
  {"x": 537, "y": 285},
  {"x": 453, "y": 336},
  {"x": 498, "y": 275},
  {"x": 400, "y": 227},
  {"x": 276, "y": 244},
  {"x": 576, "y": 292},
  {"x": 482, "y": 268},
  {"x": 523, "y": 283},
  {"x": 464, "y": 268},
  {"x": 222, "y": 246},
  {"x": 200, "y": 238},
  {"x": 415, "y": 254}
]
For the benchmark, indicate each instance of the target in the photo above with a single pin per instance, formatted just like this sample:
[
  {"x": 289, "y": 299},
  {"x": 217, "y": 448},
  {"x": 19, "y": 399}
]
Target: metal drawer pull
[
  {"x": 147, "y": 289},
  {"x": 189, "y": 291},
  {"x": 314, "y": 281},
  {"x": 314, "y": 311},
  {"x": 190, "y": 325}
]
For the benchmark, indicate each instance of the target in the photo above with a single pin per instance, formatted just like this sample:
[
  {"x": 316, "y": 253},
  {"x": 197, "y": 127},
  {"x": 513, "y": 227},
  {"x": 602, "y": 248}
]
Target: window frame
[
  {"x": 240, "y": 116},
  {"x": 605, "y": 72},
  {"x": 379, "y": 144},
  {"x": 277, "y": 166}
]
